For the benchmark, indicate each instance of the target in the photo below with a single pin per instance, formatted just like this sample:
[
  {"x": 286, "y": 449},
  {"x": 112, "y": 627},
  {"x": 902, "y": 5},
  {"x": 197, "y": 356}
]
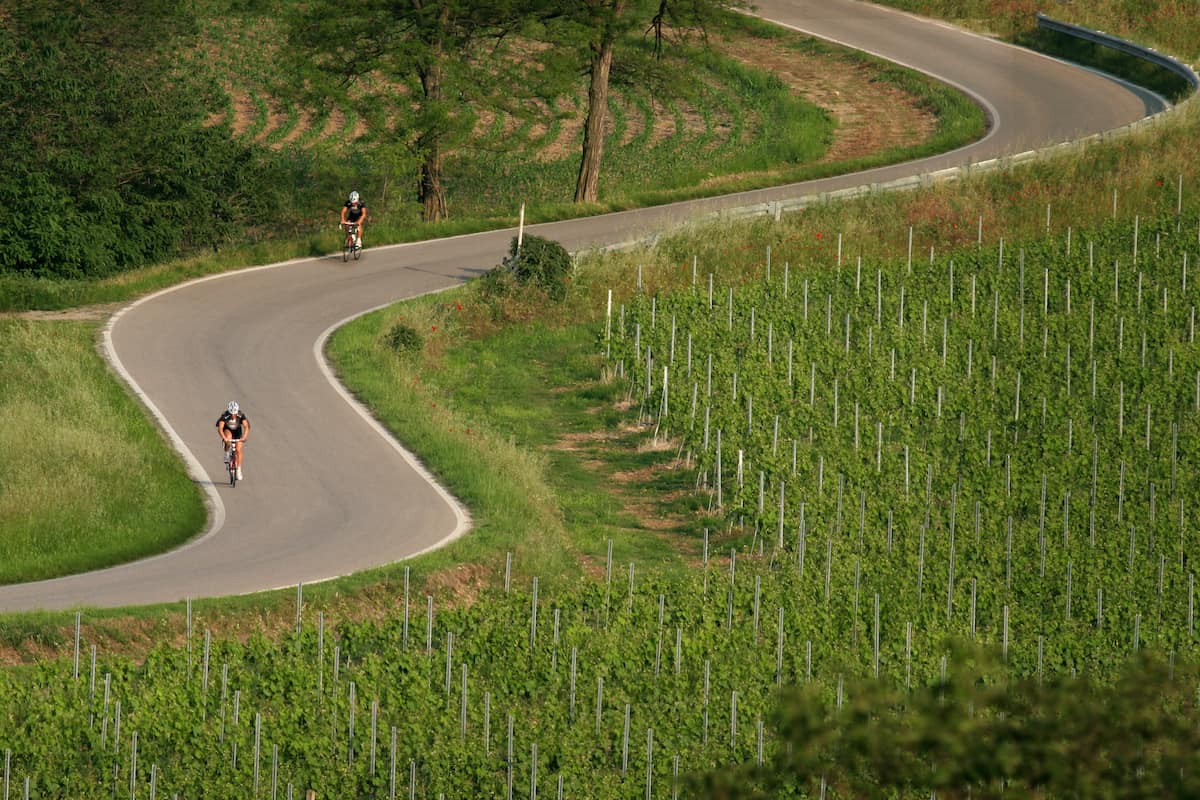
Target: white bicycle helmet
[
  {"x": 233, "y": 407},
  {"x": 354, "y": 197}
]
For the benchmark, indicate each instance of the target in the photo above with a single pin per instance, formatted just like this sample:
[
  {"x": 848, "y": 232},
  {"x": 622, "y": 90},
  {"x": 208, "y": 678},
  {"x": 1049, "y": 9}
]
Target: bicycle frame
[
  {"x": 351, "y": 245},
  {"x": 233, "y": 460}
]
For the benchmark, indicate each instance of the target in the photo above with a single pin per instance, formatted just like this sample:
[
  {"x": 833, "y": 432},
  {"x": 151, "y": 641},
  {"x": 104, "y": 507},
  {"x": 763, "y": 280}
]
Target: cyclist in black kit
[
  {"x": 354, "y": 212},
  {"x": 233, "y": 428}
]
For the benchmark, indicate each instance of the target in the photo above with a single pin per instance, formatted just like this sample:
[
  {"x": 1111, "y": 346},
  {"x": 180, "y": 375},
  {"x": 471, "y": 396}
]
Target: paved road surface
[{"x": 326, "y": 492}]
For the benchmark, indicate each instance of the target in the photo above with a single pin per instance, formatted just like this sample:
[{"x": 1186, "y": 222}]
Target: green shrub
[
  {"x": 404, "y": 339},
  {"x": 495, "y": 283},
  {"x": 543, "y": 263}
]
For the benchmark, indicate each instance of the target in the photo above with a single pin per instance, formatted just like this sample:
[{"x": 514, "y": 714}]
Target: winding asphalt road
[{"x": 327, "y": 491}]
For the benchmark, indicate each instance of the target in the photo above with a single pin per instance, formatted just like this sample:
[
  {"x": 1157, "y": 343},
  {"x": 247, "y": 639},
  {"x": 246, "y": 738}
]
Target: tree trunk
[
  {"x": 587, "y": 186},
  {"x": 430, "y": 192}
]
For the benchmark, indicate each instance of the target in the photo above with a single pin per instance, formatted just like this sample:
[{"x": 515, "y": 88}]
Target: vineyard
[
  {"x": 1000, "y": 444},
  {"x": 622, "y": 687},
  {"x": 995, "y": 447}
]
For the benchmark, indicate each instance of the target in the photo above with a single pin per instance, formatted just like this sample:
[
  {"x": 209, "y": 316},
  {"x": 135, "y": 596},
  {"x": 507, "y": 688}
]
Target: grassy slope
[{"x": 88, "y": 481}]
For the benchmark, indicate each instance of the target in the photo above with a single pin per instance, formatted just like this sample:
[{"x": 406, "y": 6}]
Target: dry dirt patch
[
  {"x": 626, "y": 485},
  {"x": 461, "y": 584},
  {"x": 871, "y": 115},
  {"x": 99, "y": 311}
]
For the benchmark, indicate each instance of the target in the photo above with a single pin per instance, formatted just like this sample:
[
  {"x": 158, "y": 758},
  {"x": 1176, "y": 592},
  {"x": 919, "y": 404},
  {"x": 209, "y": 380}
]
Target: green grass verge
[
  {"x": 494, "y": 408},
  {"x": 88, "y": 480}
]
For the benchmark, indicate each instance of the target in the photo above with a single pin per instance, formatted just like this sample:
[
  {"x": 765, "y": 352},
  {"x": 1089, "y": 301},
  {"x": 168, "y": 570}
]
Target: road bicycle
[
  {"x": 231, "y": 462},
  {"x": 353, "y": 244}
]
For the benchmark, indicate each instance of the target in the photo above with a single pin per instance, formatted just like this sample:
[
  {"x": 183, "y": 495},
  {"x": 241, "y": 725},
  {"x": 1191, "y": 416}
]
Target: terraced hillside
[{"x": 738, "y": 116}]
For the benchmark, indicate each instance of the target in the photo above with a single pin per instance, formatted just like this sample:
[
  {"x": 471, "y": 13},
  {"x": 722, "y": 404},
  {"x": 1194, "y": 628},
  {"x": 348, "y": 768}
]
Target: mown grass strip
[{"x": 88, "y": 480}]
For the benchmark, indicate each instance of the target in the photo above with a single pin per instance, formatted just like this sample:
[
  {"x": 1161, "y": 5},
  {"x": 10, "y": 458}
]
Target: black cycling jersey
[
  {"x": 355, "y": 211},
  {"x": 236, "y": 425}
]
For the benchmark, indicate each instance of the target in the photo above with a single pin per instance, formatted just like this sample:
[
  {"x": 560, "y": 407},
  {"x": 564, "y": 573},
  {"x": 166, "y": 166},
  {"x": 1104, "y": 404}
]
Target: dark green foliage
[
  {"x": 540, "y": 262},
  {"x": 494, "y": 283},
  {"x": 403, "y": 339},
  {"x": 110, "y": 163},
  {"x": 970, "y": 736}
]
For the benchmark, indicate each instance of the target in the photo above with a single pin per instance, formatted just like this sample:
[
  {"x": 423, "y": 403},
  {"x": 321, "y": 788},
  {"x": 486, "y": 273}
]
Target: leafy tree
[
  {"x": 599, "y": 26},
  {"x": 111, "y": 163},
  {"x": 445, "y": 54}
]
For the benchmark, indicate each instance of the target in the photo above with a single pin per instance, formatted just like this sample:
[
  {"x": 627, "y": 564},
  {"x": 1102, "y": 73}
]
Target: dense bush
[
  {"x": 540, "y": 262},
  {"x": 111, "y": 164},
  {"x": 404, "y": 339},
  {"x": 971, "y": 736}
]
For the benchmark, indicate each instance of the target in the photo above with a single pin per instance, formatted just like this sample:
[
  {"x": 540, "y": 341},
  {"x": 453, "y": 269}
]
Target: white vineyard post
[
  {"x": 608, "y": 325},
  {"x": 75, "y": 671},
  {"x": 625, "y": 743},
  {"x": 908, "y": 655},
  {"x": 875, "y": 634},
  {"x": 910, "y": 248}
]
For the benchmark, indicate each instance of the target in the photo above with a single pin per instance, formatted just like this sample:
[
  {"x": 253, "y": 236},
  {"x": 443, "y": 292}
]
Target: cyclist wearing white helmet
[
  {"x": 233, "y": 428},
  {"x": 354, "y": 212}
]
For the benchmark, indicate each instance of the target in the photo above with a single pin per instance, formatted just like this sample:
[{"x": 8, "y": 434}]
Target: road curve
[{"x": 327, "y": 492}]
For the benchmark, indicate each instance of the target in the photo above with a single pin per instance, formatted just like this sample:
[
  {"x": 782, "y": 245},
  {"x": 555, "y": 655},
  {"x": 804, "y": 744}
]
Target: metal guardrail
[
  {"x": 1146, "y": 53},
  {"x": 776, "y": 208}
]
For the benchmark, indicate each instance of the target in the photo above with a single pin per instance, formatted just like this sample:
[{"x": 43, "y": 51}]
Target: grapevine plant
[{"x": 999, "y": 444}]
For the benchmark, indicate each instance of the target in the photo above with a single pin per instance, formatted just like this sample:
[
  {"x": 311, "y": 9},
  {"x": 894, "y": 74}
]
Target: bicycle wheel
[
  {"x": 346, "y": 248},
  {"x": 357, "y": 252},
  {"x": 232, "y": 471}
]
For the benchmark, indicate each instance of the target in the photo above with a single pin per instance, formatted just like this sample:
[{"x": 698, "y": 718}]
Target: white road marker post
[{"x": 521, "y": 229}]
